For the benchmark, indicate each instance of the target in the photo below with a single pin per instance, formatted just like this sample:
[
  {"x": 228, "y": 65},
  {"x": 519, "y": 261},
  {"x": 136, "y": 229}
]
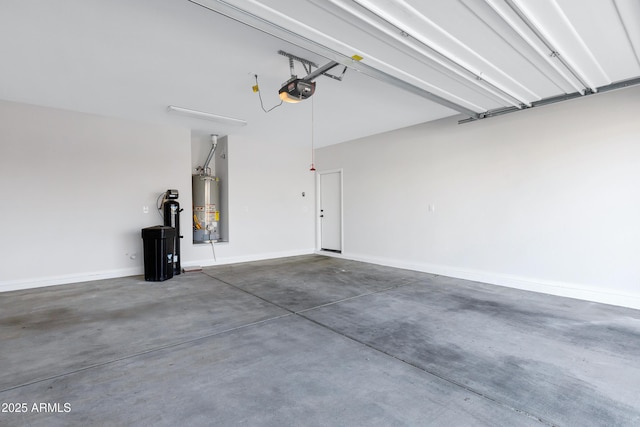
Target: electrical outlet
[{"x": 145, "y": 209}]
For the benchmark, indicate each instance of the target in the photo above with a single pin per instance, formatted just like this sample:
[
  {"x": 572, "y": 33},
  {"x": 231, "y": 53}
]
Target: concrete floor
[{"x": 314, "y": 341}]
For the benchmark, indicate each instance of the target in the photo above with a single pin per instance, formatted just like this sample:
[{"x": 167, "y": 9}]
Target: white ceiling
[{"x": 133, "y": 58}]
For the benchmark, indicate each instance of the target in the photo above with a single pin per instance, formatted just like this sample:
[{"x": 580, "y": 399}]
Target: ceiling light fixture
[
  {"x": 296, "y": 90},
  {"x": 206, "y": 116}
]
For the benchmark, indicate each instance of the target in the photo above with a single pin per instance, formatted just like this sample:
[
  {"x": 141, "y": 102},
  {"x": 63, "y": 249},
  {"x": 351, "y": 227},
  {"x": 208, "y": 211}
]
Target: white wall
[
  {"x": 546, "y": 199},
  {"x": 74, "y": 186},
  {"x": 268, "y": 216}
]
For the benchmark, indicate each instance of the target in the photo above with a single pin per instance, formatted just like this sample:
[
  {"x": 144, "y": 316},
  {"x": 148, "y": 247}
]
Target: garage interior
[{"x": 442, "y": 230}]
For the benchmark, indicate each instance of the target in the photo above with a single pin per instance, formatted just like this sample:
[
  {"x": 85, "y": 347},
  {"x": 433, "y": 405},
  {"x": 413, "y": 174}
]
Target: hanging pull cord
[
  {"x": 256, "y": 88},
  {"x": 313, "y": 166}
]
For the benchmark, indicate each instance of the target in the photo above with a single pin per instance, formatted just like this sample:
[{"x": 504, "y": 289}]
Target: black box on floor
[{"x": 158, "y": 252}]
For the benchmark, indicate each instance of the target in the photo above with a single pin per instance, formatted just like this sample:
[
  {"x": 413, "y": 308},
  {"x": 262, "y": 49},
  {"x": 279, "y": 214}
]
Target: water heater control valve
[{"x": 171, "y": 194}]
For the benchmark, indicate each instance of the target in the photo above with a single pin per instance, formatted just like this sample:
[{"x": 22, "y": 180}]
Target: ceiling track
[
  {"x": 553, "y": 52},
  {"x": 240, "y": 15},
  {"x": 419, "y": 50},
  {"x": 444, "y": 62},
  {"x": 554, "y": 100},
  {"x": 442, "y": 58}
]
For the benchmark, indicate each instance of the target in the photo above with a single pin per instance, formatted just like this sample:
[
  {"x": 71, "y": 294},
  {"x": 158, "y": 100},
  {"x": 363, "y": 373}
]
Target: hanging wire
[
  {"x": 257, "y": 89},
  {"x": 159, "y": 205},
  {"x": 213, "y": 249}
]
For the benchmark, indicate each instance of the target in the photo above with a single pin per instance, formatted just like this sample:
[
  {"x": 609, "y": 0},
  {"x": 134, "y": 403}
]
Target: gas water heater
[
  {"x": 206, "y": 201},
  {"x": 206, "y": 210}
]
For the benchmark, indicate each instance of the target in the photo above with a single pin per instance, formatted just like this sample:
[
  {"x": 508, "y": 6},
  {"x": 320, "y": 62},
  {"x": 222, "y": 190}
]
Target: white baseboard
[
  {"x": 41, "y": 282},
  {"x": 570, "y": 290},
  {"x": 209, "y": 262}
]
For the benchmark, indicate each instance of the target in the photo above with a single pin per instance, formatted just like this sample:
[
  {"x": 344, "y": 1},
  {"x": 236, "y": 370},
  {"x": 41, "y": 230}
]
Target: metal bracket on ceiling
[
  {"x": 305, "y": 62},
  {"x": 312, "y": 74},
  {"x": 338, "y": 78},
  {"x": 554, "y": 99}
]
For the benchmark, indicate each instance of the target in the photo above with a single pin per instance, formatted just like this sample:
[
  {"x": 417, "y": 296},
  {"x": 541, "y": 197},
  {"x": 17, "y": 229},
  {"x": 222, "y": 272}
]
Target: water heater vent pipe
[{"x": 214, "y": 145}]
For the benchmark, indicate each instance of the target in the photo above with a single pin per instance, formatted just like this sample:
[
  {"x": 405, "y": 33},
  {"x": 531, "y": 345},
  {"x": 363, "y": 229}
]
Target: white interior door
[{"x": 331, "y": 211}]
